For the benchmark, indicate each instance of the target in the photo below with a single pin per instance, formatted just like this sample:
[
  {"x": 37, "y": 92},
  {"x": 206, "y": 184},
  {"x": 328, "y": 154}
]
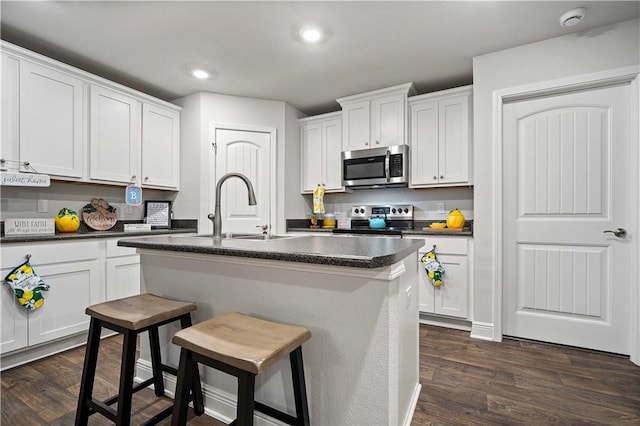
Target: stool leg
[
  {"x": 185, "y": 378},
  {"x": 156, "y": 362},
  {"x": 246, "y": 399},
  {"x": 299, "y": 386},
  {"x": 88, "y": 372},
  {"x": 126, "y": 378},
  {"x": 196, "y": 386}
]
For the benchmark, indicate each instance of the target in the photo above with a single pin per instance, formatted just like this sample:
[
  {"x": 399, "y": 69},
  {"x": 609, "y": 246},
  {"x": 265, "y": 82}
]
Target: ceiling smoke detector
[{"x": 572, "y": 17}]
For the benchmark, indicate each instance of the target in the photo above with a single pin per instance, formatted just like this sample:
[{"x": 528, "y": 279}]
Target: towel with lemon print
[
  {"x": 27, "y": 286},
  {"x": 433, "y": 267}
]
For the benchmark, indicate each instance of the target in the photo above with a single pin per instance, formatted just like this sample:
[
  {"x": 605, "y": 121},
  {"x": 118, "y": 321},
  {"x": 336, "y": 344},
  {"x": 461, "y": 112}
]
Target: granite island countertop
[{"x": 358, "y": 252}]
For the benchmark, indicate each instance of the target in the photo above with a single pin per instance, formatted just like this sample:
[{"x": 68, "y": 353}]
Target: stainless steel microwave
[{"x": 376, "y": 167}]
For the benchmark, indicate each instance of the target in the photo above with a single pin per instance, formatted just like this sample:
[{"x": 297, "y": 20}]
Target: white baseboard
[
  {"x": 482, "y": 331},
  {"x": 413, "y": 405},
  {"x": 447, "y": 322}
]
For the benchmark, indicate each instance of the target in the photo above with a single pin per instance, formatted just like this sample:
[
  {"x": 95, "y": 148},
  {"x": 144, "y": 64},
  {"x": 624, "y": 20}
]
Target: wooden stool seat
[
  {"x": 242, "y": 346},
  {"x": 131, "y": 316},
  {"x": 138, "y": 312},
  {"x": 245, "y": 342}
]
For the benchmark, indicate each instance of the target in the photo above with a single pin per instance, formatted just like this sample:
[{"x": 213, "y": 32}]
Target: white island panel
[{"x": 361, "y": 364}]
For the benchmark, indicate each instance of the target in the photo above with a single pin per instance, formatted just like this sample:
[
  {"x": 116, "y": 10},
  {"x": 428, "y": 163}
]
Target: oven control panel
[{"x": 399, "y": 211}]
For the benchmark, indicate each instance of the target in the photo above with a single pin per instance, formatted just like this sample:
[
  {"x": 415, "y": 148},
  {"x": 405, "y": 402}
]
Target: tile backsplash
[
  {"x": 25, "y": 201},
  {"x": 425, "y": 201}
]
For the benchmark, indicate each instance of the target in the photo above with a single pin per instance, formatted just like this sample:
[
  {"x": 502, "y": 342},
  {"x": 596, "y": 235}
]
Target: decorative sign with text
[
  {"x": 24, "y": 179},
  {"x": 133, "y": 195},
  {"x": 29, "y": 227}
]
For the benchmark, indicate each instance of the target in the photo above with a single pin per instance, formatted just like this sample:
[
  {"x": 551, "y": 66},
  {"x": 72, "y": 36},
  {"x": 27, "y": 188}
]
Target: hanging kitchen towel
[
  {"x": 27, "y": 286},
  {"x": 433, "y": 267},
  {"x": 318, "y": 199}
]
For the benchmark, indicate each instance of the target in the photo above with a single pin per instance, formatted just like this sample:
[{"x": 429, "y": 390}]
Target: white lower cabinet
[
  {"x": 80, "y": 273},
  {"x": 452, "y": 297},
  {"x": 122, "y": 271},
  {"x": 75, "y": 272}
]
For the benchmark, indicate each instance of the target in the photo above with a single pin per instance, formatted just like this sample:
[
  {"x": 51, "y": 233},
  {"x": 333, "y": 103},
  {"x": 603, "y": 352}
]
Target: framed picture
[{"x": 158, "y": 213}]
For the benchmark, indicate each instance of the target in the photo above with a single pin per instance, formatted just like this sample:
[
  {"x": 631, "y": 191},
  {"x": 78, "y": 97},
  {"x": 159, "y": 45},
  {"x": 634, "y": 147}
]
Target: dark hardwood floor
[{"x": 464, "y": 382}]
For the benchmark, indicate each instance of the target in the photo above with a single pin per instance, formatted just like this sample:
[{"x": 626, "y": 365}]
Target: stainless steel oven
[
  {"x": 376, "y": 167},
  {"x": 365, "y": 220}
]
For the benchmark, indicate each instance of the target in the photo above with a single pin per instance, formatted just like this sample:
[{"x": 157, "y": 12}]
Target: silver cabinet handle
[{"x": 620, "y": 232}]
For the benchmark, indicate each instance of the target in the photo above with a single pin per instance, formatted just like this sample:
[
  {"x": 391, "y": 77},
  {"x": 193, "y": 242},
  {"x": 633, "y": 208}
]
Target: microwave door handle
[{"x": 387, "y": 173}]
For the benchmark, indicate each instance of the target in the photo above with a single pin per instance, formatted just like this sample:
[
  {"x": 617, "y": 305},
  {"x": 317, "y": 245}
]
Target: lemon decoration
[
  {"x": 67, "y": 221},
  {"x": 27, "y": 286},
  {"x": 433, "y": 267},
  {"x": 455, "y": 219}
]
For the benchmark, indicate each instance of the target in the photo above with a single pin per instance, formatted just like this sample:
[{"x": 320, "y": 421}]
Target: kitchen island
[{"x": 357, "y": 296}]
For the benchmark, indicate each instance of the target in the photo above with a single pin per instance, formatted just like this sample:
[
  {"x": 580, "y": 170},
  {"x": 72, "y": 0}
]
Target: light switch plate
[{"x": 441, "y": 208}]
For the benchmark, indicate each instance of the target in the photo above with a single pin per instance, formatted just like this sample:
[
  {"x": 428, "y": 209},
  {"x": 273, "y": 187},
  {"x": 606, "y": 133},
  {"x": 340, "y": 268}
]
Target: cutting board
[{"x": 426, "y": 228}]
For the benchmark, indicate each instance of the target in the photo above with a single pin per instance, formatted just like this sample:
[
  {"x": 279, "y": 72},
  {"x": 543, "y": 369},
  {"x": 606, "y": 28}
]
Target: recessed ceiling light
[
  {"x": 311, "y": 34},
  {"x": 572, "y": 17},
  {"x": 201, "y": 74}
]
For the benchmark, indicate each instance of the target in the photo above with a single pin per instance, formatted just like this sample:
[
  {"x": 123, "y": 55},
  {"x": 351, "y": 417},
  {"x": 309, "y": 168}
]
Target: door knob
[{"x": 620, "y": 232}]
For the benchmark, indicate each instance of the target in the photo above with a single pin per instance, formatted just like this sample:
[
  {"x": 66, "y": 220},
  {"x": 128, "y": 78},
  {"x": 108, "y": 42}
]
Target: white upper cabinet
[
  {"x": 52, "y": 105},
  {"x": 440, "y": 138},
  {"x": 115, "y": 136},
  {"x": 160, "y": 147},
  {"x": 73, "y": 125},
  {"x": 375, "y": 119},
  {"x": 321, "y": 138}
]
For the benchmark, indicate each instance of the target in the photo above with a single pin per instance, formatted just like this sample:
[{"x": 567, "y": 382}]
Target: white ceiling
[{"x": 252, "y": 48}]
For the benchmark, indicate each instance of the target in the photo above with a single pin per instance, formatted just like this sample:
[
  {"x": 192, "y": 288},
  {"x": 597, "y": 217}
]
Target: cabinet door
[
  {"x": 123, "y": 277},
  {"x": 74, "y": 286},
  {"x": 160, "y": 147},
  {"x": 9, "y": 140},
  {"x": 451, "y": 298},
  {"x": 332, "y": 143},
  {"x": 13, "y": 328},
  {"x": 424, "y": 143},
  {"x": 312, "y": 146},
  {"x": 388, "y": 121},
  {"x": 115, "y": 136},
  {"x": 51, "y": 120},
  {"x": 356, "y": 126},
  {"x": 426, "y": 290},
  {"x": 454, "y": 140}
]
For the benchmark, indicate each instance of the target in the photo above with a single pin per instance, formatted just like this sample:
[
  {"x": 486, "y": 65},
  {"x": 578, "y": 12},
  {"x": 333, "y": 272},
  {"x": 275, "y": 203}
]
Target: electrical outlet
[
  {"x": 43, "y": 206},
  {"x": 441, "y": 208}
]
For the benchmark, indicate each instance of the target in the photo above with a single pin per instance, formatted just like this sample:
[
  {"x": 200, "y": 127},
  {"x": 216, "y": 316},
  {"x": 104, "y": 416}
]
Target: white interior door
[
  {"x": 566, "y": 168},
  {"x": 249, "y": 153}
]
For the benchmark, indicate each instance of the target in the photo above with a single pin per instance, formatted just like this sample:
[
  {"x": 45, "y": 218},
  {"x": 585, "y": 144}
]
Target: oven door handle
[{"x": 387, "y": 173}]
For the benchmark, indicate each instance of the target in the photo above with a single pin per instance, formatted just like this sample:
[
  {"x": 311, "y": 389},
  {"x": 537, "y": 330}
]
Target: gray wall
[{"x": 599, "y": 49}]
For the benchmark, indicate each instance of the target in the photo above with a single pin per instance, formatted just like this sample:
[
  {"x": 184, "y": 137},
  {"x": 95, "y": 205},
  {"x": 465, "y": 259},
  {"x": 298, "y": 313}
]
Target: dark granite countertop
[
  {"x": 178, "y": 227},
  {"x": 358, "y": 252},
  {"x": 302, "y": 225}
]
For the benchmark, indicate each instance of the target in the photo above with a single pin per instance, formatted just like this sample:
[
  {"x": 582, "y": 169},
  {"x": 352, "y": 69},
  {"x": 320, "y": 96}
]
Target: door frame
[
  {"x": 553, "y": 87},
  {"x": 211, "y": 182}
]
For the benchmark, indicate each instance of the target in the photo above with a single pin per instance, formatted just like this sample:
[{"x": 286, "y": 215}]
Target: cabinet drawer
[
  {"x": 50, "y": 252},
  {"x": 113, "y": 250},
  {"x": 446, "y": 245}
]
